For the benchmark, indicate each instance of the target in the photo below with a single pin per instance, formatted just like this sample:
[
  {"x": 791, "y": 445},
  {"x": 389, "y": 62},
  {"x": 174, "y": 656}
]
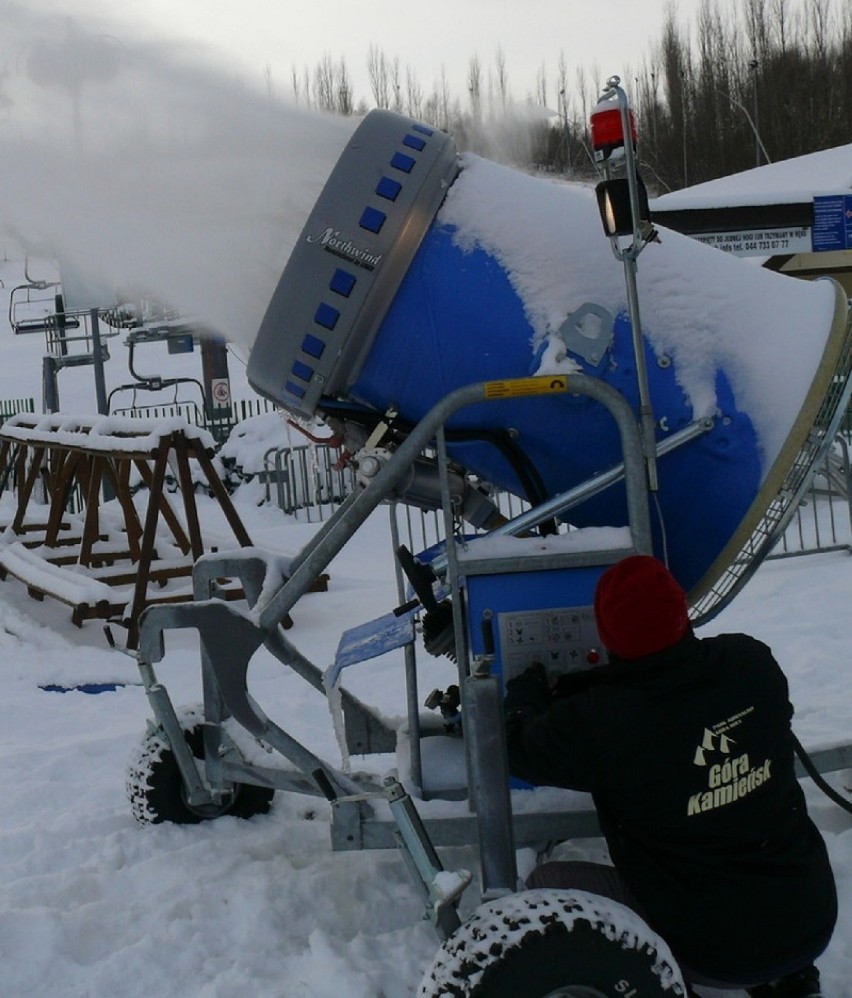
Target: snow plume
[
  {"x": 143, "y": 168},
  {"x": 506, "y": 133}
]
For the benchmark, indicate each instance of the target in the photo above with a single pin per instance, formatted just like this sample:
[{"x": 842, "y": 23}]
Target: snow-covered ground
[{"x": 93, "y": 904}]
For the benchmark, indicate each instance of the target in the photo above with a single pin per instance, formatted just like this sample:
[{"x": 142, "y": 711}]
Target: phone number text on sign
[{"x": 759, "y": 243}]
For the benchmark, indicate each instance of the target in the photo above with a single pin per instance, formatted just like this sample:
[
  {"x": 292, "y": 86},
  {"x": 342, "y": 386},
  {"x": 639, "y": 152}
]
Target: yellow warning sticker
[{"x": 548, "y": 384}]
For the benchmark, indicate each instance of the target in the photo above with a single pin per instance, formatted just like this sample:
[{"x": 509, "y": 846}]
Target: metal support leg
[
  {"x": 441, "y": 893},
  {"x": 440, "y": 890},
  {"x": 197, "y": 793},
  {"x": 482, "y": 708}
]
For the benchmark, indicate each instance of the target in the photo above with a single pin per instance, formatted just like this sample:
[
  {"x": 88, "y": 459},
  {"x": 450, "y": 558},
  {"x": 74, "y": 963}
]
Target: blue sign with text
[{"x": 832, "y": 223}]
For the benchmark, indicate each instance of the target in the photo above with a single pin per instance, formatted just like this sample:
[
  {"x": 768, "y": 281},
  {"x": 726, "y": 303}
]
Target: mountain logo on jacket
[{"x": 712, "y": 743}]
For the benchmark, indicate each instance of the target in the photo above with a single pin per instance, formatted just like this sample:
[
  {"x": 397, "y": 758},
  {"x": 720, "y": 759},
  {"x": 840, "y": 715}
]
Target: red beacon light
[{"x": 607, "y": 129}]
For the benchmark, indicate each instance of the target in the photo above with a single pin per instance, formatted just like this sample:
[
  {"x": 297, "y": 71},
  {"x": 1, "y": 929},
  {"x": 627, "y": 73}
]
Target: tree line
[
  {"x": 749, "y": 82},
  {"x": 770, "y": 83}
]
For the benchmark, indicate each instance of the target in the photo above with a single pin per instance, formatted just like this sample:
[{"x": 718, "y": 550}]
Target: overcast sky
[{"x": 603, "y": 36}]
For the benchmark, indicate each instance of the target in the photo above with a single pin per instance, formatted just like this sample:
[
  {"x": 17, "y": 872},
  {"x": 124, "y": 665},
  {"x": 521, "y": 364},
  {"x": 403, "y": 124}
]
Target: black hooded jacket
[{"x": 689, "y": 758}]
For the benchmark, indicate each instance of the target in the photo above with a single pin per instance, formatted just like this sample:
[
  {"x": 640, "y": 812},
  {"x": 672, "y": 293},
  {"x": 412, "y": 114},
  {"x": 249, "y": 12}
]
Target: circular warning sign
[{"x": 220, "y": 389}]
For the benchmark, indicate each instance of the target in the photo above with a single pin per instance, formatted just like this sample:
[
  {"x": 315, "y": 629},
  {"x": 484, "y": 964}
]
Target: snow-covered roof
[{"x": 787, "y": 182}]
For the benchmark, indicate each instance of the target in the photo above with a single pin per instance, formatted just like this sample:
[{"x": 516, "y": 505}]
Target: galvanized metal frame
[{"x": 230, "y": 636}]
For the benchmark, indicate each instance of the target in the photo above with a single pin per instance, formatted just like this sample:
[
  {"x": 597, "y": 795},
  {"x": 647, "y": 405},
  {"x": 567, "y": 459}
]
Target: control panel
[{"x": 562, "y": 639}]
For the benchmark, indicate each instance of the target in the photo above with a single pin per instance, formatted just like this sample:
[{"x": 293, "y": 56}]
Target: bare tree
[
  {"x": 676, "y": 69},
  {"x": 564, "y": 107},
  {"x": 562, "y": 83},
  {"x": 414, "y": 93},
  {"x": 344, "y": 89},
  {"x": 756, "y": 29},
  {"x": 819, "y": 20},
  {"x": 474, "y": 86},
  {"x": 541, "y": 85},
  {"x": 269, "y": 81},
  {"x": 395, "y": 75},
  {"x": 585, "y": 104},
  {"x": 379, "y": 77},
  {"x": 781, "y": 24},
  {"x": 324, "y": 84},
  {"x": 501, "y": 76},
  {"x": 444, "y": 100}
]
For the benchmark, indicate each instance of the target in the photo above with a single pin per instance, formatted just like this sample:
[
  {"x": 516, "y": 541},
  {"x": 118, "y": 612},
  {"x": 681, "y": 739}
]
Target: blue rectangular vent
[
  {"x": 387, "y": 188},
  {"x": 414, "y": 142},
  {"x": 295, "y": 390},
  {"x": 326, "y": 316},
  {"x": 372, "y": 220},
  {"x": 303, "y": 371},
  {"x": 313, "y": 346},
  {"x": 402, "y": 162},
  {"x": 342, "y": 283},
  {"x": 423, "y": 129}
]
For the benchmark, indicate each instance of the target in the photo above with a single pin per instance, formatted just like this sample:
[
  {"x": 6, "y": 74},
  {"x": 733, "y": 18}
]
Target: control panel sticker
[{"x": 561, "y": 639}]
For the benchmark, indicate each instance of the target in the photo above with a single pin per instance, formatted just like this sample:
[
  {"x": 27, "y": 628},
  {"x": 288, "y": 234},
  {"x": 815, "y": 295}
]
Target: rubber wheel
[
  {"x": 156, "y": 790},
  {"x": 553, "y": 944}
]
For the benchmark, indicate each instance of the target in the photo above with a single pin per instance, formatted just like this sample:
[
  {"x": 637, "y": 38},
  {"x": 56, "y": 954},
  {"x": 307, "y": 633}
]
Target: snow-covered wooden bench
[{"x": 85, "y": 595}]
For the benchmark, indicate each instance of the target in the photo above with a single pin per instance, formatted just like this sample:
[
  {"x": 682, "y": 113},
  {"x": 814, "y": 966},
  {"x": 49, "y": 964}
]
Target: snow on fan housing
[{"x": 419, "y": 271}]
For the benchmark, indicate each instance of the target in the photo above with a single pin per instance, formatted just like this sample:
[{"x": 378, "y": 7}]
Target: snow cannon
[{"x": 420, "y": 271}]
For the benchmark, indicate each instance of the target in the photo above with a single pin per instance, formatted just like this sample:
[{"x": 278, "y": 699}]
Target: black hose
[
  {"x": 526, "y": 472},
  {"x": 817, "y": 777}
]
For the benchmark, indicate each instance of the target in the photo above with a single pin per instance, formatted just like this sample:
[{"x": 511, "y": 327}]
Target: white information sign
[{"x": 760, "y": 242}]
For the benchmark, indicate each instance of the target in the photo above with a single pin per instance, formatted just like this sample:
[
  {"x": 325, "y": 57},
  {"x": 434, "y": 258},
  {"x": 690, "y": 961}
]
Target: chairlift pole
[
  {"x": 49, "y": 385},
  {"x": 98, "y": 362},
  {"x": 100, "y": 385}
]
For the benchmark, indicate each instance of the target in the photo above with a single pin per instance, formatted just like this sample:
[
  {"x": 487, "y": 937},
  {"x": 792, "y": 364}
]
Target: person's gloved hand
[
  {"x": 528, "y": 693},
  {"x": 570, "y": 683}
]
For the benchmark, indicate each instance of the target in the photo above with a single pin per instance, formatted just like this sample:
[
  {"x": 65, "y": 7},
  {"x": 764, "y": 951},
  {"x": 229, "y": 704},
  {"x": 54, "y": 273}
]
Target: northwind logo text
[
  {"x": 727, "y": 782},
  {"x": 330, "y": 240}
]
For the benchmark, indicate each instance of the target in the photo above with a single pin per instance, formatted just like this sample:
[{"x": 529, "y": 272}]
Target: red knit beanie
[{"x": 639, "y": 608}]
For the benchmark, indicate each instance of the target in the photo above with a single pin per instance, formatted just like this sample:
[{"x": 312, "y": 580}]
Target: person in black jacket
[{"x": 686, "y": 746}]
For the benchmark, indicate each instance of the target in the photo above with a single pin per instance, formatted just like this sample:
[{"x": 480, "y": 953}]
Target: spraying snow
[{"x": 145, "y": 171}]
